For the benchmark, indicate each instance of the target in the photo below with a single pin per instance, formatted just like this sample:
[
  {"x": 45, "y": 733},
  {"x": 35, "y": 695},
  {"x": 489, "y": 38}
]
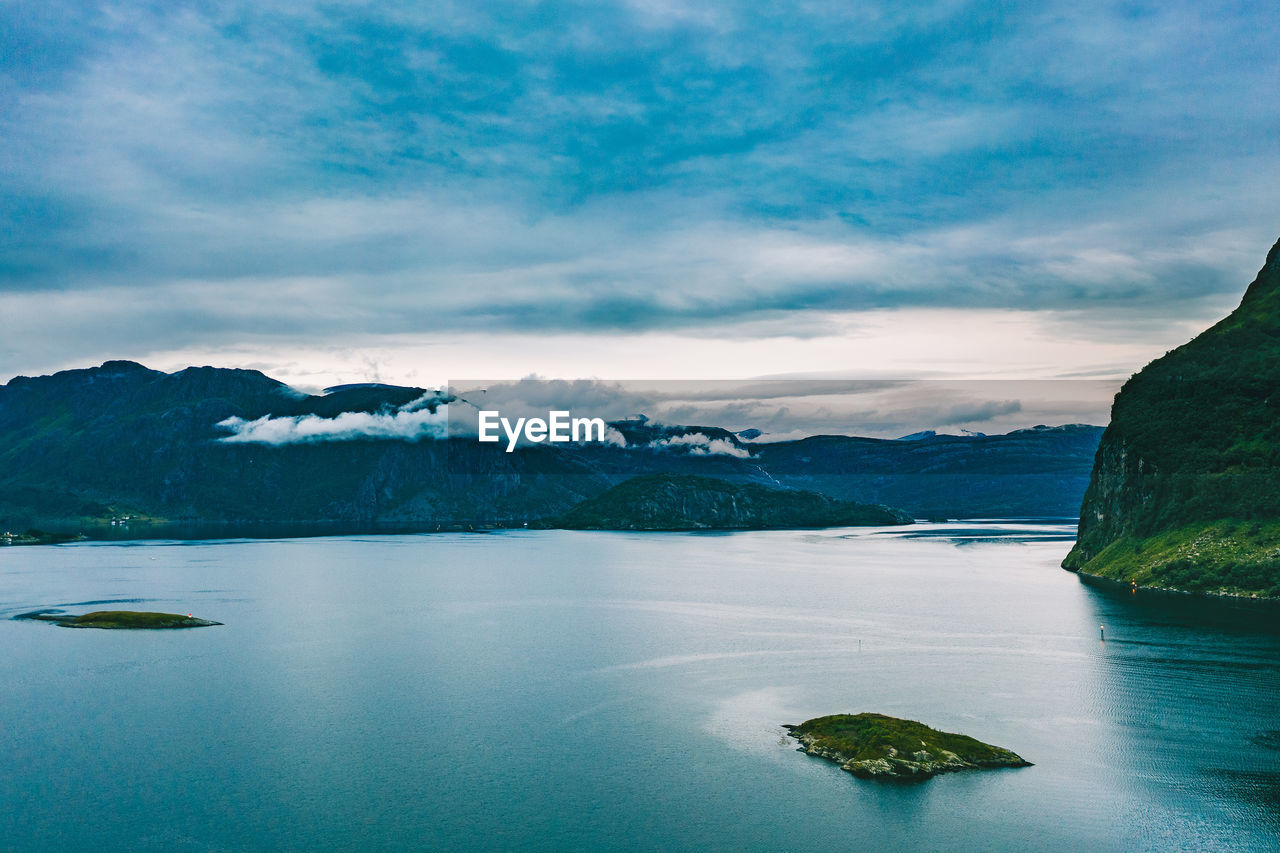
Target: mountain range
[{"x": 81, "y": 448}]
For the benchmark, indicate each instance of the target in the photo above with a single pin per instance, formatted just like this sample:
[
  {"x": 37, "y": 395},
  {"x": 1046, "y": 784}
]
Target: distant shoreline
[{"x": 213, "y": 530}]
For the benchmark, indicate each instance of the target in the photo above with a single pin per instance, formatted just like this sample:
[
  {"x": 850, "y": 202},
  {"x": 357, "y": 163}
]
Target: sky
[{"x": 344, "y": 191}]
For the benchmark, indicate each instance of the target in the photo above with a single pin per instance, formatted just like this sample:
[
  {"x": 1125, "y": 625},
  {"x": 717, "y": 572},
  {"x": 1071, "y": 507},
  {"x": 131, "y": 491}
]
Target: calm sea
[{"x": 608, "y": 691}]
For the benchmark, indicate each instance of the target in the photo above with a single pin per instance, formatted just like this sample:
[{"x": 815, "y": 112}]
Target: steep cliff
[{"x": 1185, "y": 492}]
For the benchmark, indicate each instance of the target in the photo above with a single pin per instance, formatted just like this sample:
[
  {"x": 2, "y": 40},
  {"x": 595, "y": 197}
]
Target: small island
[
  {"x": 120, "y": 619},
  {"x": 874, "y": 746},
  {"x": 681, "y": 502}
]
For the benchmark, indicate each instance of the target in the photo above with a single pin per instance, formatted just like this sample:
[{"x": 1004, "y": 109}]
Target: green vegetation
[
  {"x": 119, "y": 619},
  {"x": 1185, "y": 492},
  {"x": 133, "y": 619},
  {"x": 1222, "y": 557},
  {"x": 874, "y": 745},
  {"x": 34, "y": 536},
  {"x": 689, "y": 502}
]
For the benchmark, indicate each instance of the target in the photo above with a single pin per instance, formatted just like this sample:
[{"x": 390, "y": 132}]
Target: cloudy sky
[{"x": 646, "y": 189}]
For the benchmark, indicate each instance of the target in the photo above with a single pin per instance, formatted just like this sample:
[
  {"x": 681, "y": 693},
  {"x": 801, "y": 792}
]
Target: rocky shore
[{"x": 875, "y": 746}]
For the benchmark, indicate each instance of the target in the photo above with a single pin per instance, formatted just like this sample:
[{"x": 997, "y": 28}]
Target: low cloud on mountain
[{"x": 348, "y": 426}]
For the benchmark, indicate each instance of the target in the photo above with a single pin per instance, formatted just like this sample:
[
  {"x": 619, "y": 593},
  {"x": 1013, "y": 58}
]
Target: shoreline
[
  {"x": 196, "y": 531},
  {"x": 1114, "y": 585}
]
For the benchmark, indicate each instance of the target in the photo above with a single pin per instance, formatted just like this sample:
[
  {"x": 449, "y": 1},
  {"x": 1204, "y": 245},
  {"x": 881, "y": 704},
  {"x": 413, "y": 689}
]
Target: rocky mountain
[
  {"x": 688, "y": 502},
  {"x": 1185, "y": 491},
  {"x": 81, "y": 448}
]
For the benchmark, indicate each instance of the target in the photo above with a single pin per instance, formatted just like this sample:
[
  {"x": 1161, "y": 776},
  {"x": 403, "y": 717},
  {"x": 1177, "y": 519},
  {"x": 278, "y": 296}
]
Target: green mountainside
[
  {"x": 1185, "y": 492},
  {"x": 688, "y": 502}
]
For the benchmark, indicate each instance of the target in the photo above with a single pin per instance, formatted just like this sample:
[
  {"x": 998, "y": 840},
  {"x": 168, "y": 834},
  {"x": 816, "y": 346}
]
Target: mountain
[
  {"x": 1040, "y": 471},
  {"x": 1185, "y": 490},
  {"x": 82, "y": 448},
  {"x": 687, "y": 502}
]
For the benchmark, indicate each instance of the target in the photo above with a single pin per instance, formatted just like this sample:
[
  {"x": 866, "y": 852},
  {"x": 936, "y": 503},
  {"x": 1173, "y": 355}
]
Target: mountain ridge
[{"x": 83, "y": 447}]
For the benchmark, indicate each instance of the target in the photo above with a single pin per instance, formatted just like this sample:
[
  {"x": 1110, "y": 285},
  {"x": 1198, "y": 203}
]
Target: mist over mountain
[{"x": 82, "y": 447}]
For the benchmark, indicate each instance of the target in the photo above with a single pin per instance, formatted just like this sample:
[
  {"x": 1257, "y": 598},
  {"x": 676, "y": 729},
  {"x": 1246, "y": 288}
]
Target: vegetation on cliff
[
  {"x": 1185, "y": 492},
  {"x": 689, "y": 502},
  {"x": 877, "y": 746}
]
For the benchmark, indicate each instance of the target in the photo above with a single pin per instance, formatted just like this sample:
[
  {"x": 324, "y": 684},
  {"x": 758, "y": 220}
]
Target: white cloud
[
  {"x": 348, "y": 426},
  {"x": 276, "y": 178},
  {"x": 698, "y": 444}
]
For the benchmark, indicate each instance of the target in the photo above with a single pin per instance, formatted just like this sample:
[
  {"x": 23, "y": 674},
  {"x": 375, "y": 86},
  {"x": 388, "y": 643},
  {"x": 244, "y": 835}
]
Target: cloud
[
  {"x": 787, "y": 408},
  {"x": 425, "y": 418},
  {"x": 698, "y": 444},
  {"x": 257, "y": 172},
  {"x": 976, "y": 413}
]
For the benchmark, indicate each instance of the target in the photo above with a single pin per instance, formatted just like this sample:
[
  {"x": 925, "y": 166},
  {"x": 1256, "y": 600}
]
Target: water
[{"x": 568, "y": 691}]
